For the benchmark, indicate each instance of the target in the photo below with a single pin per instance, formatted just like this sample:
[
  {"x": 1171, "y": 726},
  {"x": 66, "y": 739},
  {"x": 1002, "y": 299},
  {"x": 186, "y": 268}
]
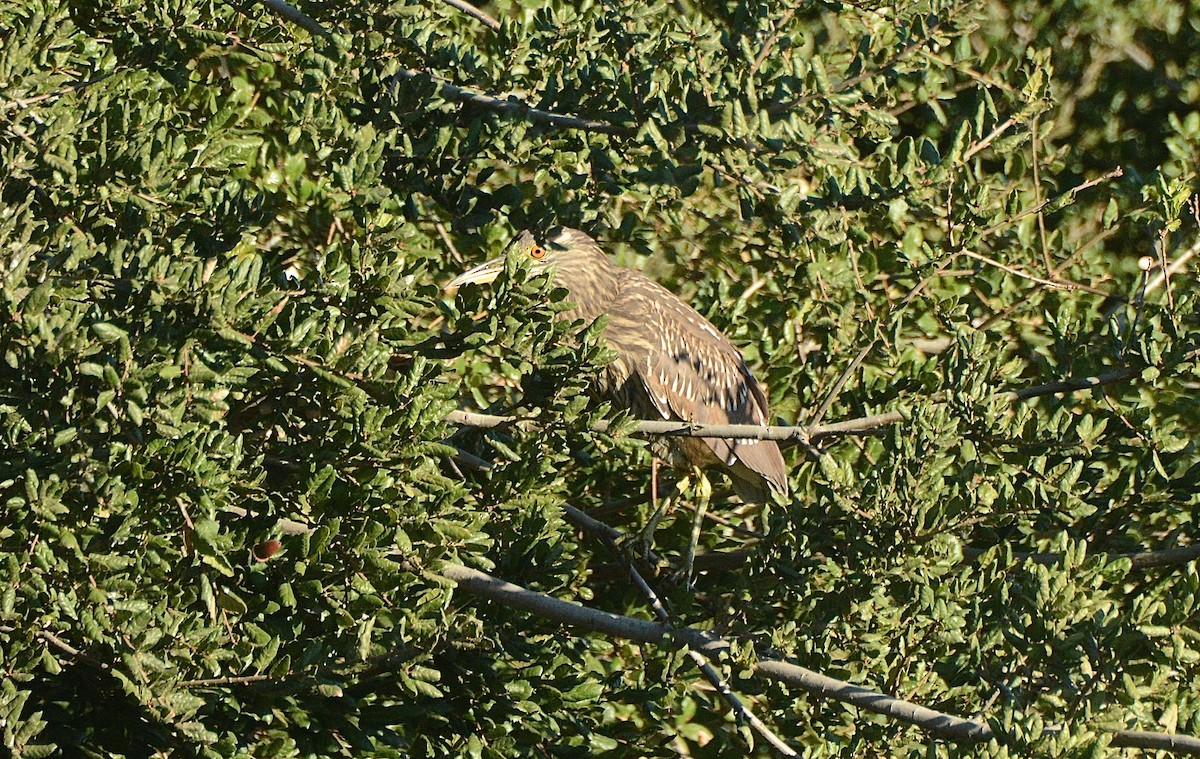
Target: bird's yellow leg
[
  {"x": 703, "y": 496},
  {"x": 645, "y": 538},
  {"x": 654, "y": 483}
]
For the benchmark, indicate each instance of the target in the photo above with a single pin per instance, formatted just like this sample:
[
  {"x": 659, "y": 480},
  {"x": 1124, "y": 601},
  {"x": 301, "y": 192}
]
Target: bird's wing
[{"x": 692, "y": 372}]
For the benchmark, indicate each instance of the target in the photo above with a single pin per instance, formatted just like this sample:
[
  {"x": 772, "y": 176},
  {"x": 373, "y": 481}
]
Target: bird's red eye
[{"x": 538, "y": 252}]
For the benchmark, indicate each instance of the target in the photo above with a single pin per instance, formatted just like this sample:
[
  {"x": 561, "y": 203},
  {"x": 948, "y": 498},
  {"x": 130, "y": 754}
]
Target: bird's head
[{"x": 561, "y": 251}]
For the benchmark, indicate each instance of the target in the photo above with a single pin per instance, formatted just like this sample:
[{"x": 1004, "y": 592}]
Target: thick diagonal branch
[{"x": 574, "y": 615}]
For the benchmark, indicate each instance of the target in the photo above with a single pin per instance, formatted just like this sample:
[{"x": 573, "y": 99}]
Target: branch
[
  {"x": 1038, "y": 207},
  {"x": 805, "y": 433},
  {"x": 574, "y": 615},
  {"x": 601, "y": 531},
  {"x": 1163, "y": 557},
  {"x": 297, "y": 17},
  {"x": 512, "y": 105},
  {"x": 471, "y": 10},
  {"x": 1023, "y": 275},
  {"x": 219, "y": 681},
  {"x": 1072, "y": 385},
  {"x": 687, "y": 429},
  {"x": 1164, "y": 274},
  {"x": 1181, "y": 744},
  {"x": 859, "y": 426},
  {"x": 26, "y": 102},
  {"x": 1158, "y": 279},
  {"x": 938, "y": 723},
  {"x": 70, "y": 650},
  {"x": 610, "y": 538}
]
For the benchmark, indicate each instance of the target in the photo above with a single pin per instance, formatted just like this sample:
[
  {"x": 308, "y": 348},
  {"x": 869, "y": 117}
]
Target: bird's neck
[{"x": 592, "y": 288}]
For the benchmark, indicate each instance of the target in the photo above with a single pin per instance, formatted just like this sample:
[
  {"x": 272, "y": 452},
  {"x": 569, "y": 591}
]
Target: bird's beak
[{"x": 481, "y": 274}]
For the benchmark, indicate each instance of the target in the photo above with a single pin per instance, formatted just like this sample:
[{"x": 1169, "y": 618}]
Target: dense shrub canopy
[{"x": 221, "y": 242}]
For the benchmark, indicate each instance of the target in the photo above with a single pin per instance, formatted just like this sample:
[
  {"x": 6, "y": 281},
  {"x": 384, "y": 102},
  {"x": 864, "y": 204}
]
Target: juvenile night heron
[{"x": 671, "y": 362}]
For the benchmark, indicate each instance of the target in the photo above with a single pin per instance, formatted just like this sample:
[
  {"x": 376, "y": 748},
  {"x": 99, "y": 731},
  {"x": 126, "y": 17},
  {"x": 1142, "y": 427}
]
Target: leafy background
[{"x": 223, "y": 239}]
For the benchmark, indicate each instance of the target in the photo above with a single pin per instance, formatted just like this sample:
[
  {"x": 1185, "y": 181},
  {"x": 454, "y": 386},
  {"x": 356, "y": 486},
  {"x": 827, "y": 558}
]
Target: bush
[{"x": 223, "y": 243}]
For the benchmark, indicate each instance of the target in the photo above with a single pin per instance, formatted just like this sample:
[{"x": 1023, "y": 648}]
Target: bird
[{"x": 671, "y": 363}]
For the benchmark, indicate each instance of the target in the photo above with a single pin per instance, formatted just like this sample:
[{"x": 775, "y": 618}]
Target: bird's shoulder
[
  {"x": 647, "y": 306},
  {"x": 688, "y": 367}
]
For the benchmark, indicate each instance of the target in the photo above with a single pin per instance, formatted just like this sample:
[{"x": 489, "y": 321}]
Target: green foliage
[{"x": 221, "y": 243}]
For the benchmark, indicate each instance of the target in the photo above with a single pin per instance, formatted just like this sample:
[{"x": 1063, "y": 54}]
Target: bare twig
[
  {"x": 1165, "y": 267},
  {"x": 735, "y": 702},
  {"x": 732, "y": 525},
  {"x": 831, "y": 396},
  {"x": 1160, "y": 278},
  {"x": 471, "y": 10},
  {"x": 599, "y": 530},
  {"x": 1172, "y": 268},
  {"x": 448, "y": 241},
  {"x": 784, "y": 18},
  {"x": 974, "y": 74},
  {"x": 1023, "y": 275},
  {"x": 1037, "y": 196},
  {"x": 984, "y": 323},
  {"x": 865, "y": 425},
  {"x": 989, "y": 139},
  {"x": 63, "y": 646},
  {"x": 75, "y": 87},
  {"x": 57, "y": 642},
  {"x": 1072, "y": 385},
  {"x": 219, "y": 681},
  {"x": 1039, "y": 207}
]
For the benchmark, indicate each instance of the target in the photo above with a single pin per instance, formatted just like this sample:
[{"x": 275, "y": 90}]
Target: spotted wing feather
[{"x": 689, "y": 371}]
